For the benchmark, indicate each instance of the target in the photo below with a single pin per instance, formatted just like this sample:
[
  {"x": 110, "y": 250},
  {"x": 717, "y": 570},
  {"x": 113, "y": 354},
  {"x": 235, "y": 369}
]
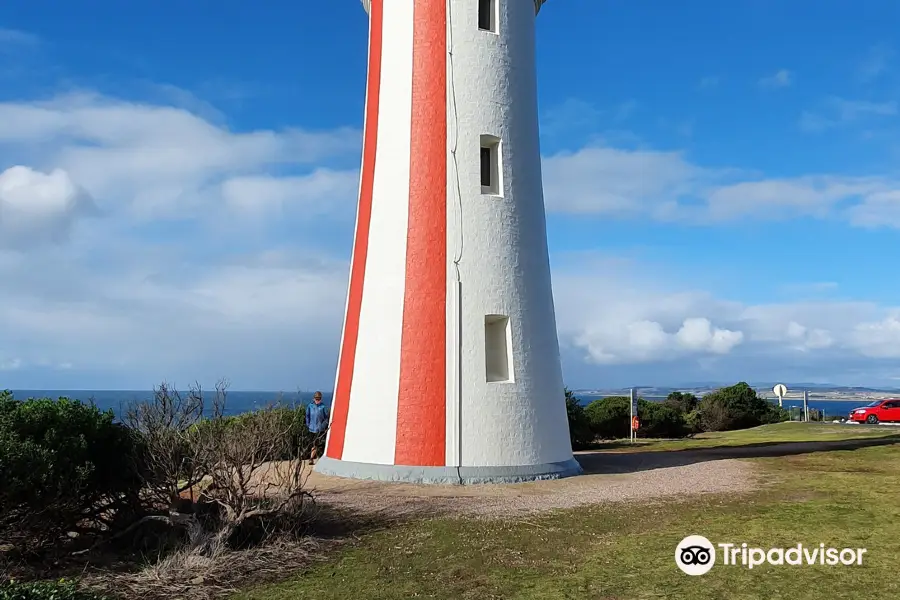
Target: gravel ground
[{"x": 609, "y": 478}]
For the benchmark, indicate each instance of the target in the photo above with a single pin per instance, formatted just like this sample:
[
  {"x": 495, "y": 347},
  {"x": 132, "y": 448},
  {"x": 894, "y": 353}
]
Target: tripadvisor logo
[{"x": 696, "y": 555}]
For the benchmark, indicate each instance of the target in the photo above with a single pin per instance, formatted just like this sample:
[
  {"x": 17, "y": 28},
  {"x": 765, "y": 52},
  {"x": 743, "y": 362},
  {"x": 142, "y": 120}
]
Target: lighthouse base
[{"x": 447, "y": 475}]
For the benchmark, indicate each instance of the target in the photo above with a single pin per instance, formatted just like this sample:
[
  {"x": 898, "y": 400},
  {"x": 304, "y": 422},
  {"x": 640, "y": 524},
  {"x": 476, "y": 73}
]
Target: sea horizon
[{"x": 242, "y": 401}]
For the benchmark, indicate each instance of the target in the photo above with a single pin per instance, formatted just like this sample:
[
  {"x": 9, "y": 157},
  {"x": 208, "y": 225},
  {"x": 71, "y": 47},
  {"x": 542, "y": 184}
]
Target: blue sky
[{"x": 178, "y": 182}]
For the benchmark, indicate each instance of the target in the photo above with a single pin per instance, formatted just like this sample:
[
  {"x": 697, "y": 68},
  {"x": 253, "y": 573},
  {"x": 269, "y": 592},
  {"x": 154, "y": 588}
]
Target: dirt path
[
  {"x": 492, "y": 501},
  {"x": 609, "y": 477}
]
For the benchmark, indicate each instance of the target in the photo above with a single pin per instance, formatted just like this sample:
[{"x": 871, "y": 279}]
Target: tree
[
  {"x": 737, "y": 407},
  {"x": 681, "y": 401},
  {"x": 609, "y": 417},
  {"x": 579, "y": 424},
  {"x": 658, "y": 420}
]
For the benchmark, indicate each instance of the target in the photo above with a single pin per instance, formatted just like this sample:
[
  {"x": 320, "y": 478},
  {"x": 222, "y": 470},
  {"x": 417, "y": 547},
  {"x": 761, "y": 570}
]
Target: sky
[{"x": 178, "y": 188}]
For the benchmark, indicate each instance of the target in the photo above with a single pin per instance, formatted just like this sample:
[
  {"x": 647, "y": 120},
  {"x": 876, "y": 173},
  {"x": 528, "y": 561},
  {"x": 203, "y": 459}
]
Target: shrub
[
  {"x": 222, "y": 480},
  {"x": 681, "y": 401},
  {"x": 54, "y": 590},
  {"x": 167, "y": 427},
  {"x": 658, "y": 420},
  {"x": 693, "y": 423},
  {"x": 580, "y": 432},
  {"x": 609, "y": 417},
  {"x": 292, "y": 421},
  {"x": 65, "y": 467},
  {"x": 737, "y": 407}
]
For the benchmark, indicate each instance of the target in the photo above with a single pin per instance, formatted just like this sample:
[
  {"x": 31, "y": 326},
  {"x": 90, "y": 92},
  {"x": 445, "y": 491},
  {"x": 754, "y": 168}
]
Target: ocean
[
  {"x": 118, "y": 400},
  {"x": 241, "y": 402}
]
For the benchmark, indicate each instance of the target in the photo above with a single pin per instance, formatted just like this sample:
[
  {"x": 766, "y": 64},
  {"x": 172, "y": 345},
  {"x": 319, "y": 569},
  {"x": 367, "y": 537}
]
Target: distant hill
[{"x": 764, "y": 387}]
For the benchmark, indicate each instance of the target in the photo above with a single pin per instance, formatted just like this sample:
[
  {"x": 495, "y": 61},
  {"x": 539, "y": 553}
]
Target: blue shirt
[{"x": 316, "y": 417}]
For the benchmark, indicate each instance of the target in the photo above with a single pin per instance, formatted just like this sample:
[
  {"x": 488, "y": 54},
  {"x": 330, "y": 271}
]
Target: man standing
[{"x": 317, "y": 423}]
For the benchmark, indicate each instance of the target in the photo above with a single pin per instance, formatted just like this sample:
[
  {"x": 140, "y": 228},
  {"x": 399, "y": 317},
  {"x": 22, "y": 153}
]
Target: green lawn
[
  {"x": 846, "y": 498},
  {"x": 768, "y": 434}
]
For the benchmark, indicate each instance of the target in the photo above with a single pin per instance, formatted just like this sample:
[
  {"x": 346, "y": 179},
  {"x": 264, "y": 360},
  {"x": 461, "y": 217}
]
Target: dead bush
[
  {"x": 247, "y": 485},
  {"x": 216, "y": 573},
  {"x": 217, "y": 478},
  {"x": 168, "y": 429}
]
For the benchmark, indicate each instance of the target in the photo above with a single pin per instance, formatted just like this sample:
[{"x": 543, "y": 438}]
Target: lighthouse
[{"x": 449, "y": 367}]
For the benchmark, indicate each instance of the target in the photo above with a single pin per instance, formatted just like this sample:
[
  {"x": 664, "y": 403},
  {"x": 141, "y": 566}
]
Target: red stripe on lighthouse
[
  {"x": 341, "y": 401},
  {"x": 421, "y": 410}
]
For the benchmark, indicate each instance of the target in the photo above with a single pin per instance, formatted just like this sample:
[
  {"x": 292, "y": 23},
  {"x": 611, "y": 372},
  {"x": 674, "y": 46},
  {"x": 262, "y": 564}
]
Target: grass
[
  {"x": 769, "y": 434},
  {"x": 845, "y": 498}
]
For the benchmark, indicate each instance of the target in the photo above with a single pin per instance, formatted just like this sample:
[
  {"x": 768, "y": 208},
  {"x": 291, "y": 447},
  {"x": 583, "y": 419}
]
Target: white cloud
[
  {"x": 609, "y": 180},
  {"x": 266, "y": 319},
  {"x": 779, "y": 198},
  {"x": 37, "y": 207},
  {"x": 698, "y": 334},
  {"x": 881, "y": 209},
  {"x": 315, "y": 193},
  {"x": 803, "y": 338},
  {"x": 151, "y": 290},
  {"x": 615, "y": 314},
  {"x": 879, "y": 339},
  {"x": 156, "y": 161},
  {"x": 781, "y": 78},
  {"x": 171, "y": 281},
  {"x": 666, "y": 186}
]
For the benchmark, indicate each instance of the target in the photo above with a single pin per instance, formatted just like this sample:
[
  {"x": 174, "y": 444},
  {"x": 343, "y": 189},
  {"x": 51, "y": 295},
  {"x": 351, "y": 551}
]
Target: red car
[{"x": 881, "y": 410}]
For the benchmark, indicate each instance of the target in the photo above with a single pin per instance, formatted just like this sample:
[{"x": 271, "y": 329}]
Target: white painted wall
[
  {"x": 372, "y": 417},
  {"x": 504, "y": 262}
]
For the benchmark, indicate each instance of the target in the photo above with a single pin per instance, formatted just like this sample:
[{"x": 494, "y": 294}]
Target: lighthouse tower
[{"x": 449, "y": 368}]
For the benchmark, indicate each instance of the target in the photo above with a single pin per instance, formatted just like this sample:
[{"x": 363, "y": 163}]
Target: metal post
[
  {"x": 806, "y": 405},
  {"x": 631, "y": 410}
]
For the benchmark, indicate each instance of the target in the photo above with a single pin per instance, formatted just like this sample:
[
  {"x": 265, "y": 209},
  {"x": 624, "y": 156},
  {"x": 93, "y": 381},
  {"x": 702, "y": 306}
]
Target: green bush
[
  {"x": 64, "y": 466},
  {"x": 610, "y": 418},
  {"x": 682, "y": 402},
  {"x": 658, "y": 420},
  {"x": 693, "y": 422},
  {"x": 292, "y": 418},
  {"x": 737, "y": 407},
  {"x": 55, "y": 590},
  {"x": 580, "y": 432}
]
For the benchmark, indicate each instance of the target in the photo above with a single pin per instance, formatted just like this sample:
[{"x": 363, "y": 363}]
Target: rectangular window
[
  {"x": 491, "y": 180},
  {"x": 485, "y": 167},
  {"x": 487, "y": 15},
  {"x": 497, "y": 348}
]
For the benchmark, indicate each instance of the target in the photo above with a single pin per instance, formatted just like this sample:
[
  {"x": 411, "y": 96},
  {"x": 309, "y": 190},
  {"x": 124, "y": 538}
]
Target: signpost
[
  {"x": 780, "y": 391},
  {"x": 635, "y": 423},
  {"x": 806, "y": 405}
]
